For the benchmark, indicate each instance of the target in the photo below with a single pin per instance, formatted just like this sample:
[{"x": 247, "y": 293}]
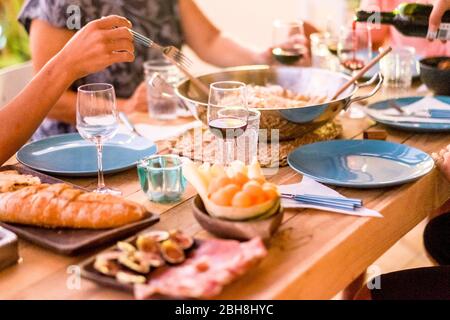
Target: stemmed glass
[
  {"x": 355, "y": 47},
  {"x": 227, "y": 114},
  {"x": 97, "y": 122},
  {"x": 286, "y": 48},
  {"x": 354, "y": 51}
]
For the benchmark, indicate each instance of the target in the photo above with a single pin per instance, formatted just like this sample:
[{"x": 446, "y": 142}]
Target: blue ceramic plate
[
  {"x": 71, "y": 155},
  {"x": 360, "y": 163},
  {"x": 410, "y": 126}
]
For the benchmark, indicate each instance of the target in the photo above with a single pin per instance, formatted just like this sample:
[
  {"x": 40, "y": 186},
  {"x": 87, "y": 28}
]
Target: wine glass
[
  {"x": 354, "y": 47},
  {"x": 286, "y": 48},
  {"x": 97, "y": 122},
  {"x": 227, "y": 115},
  {"x": 354, "y": 51}
]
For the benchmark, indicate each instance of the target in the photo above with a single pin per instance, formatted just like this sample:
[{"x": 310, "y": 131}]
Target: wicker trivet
[{"x": 199, "y": 144}]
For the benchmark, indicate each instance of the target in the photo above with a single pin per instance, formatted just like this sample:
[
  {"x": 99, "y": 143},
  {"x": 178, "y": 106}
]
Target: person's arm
[
  {"x": 45, "y": 41},
  {"x": 439, "y": 9},
  {"x": 442, "y": 160},
  {"x": 215, "y": 47},
  {"x": 92, "y": 49}
]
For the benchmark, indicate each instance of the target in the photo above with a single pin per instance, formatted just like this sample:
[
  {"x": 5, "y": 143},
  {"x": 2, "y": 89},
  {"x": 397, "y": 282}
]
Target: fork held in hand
[
  {"x": 175, "y": 56},
  {"x": 170, "y": 52}
]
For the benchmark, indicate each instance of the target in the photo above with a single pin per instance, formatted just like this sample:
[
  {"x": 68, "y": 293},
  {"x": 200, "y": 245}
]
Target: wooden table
[{"x": 314, "y": 255}]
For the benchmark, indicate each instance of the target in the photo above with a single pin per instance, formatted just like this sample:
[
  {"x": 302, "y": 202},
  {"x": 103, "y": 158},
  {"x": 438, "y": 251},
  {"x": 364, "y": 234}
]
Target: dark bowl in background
[{"x": 435, "y": 79}]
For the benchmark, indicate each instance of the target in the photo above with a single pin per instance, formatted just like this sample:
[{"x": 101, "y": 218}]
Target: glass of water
[
  {"x": 397, "y": 67},
  {"x": 97, "y": 121},
  {"x": 247, "y": 144},
  {"x": 161, "y": 105},
  {"x": 161, "y": 178}
]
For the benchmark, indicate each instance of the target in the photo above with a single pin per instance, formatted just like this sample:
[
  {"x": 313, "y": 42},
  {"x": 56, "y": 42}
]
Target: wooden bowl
[{"x": 239, "y": 230}]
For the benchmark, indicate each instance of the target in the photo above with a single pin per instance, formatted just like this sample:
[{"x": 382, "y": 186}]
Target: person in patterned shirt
[
  {"x": 85, "y": 53},
  {"x": 168, "y": 22}
]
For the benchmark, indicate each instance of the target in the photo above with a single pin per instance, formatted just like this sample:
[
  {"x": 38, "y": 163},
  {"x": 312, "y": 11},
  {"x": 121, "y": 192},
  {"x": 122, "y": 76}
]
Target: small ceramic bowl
[
  {"x": 239, "y": 230},
  {"x": 435, "y": 79}
]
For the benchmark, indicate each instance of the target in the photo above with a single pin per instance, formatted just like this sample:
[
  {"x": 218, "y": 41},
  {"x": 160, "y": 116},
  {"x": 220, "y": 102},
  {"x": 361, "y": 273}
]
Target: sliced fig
[
  {"x": 134, "y": 264},
  {"x": 150, "y": 258},
  {"x": 126, "y": 247},
  {"x": 172, "y": 252},
  {"x": 183, "y": 240},
  {"x": 106, "y": 263},
  {"x": 129, "y": 278},
  {"x": 147, "y": 244}
]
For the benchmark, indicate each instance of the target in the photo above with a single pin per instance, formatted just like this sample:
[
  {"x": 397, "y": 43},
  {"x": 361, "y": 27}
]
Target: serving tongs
[{"x": 361, "y": 72}]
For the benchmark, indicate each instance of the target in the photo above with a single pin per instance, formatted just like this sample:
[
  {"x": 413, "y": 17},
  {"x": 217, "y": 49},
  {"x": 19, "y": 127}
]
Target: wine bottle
[{"x": 410, "y": 19}]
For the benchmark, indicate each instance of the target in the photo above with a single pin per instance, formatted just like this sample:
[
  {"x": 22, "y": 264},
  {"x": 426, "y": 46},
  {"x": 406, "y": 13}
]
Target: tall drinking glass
[
  {"x": 227, "y": 115},
  {"x": 397, "y": 69},
  {"x": 97, "y": 121}
]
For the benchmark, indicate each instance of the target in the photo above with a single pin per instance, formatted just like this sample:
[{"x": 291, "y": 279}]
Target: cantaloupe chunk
[{"x": 202, "y": 176}]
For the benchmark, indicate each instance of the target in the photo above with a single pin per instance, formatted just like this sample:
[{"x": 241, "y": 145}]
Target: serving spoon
[{"x": 362, "y": 72}]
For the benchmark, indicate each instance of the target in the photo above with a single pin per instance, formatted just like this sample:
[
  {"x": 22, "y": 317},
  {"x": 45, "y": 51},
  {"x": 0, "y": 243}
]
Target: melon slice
[{"x": 199, "y": 178}]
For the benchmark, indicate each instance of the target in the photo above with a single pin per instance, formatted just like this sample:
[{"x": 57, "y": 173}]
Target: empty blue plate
[
  {"x": 410, "y": 126},
  {"x": 360, "y": 163},
  {"x": 71, "y": 155}
]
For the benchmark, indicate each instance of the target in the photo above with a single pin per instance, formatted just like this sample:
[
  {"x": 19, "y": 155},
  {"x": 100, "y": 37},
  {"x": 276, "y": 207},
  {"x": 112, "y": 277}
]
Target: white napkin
[
  {"x": 419, "y": 107},
  {"x": 309, "y": 186},
  {"x": 161, "y": 132}
]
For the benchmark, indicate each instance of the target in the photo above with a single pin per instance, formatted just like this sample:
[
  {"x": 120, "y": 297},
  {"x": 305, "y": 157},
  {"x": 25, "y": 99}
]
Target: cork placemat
[{"x": 199, "y": 144}]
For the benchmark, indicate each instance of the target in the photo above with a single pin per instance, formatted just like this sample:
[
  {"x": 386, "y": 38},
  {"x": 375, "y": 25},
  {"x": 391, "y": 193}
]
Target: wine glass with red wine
[
  {"x": 286, "y": 48},
  {"x": 354, "y": 51},
  {"x": 354, "y": 47},
  {"x": 227, "y": 115}
]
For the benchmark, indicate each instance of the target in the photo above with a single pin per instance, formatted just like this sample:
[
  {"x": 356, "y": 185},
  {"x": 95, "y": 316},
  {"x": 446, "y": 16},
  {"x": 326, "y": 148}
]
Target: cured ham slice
[{"x": 211, "y": 266}]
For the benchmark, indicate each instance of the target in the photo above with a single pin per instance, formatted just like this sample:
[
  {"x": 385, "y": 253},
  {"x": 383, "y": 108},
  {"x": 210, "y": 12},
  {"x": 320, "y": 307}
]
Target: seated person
[
  {"x": 386, "y": 34},
  {"x": 422, "y": 283},
  {"x": 168, "y": 22},
  {"x": 99, "y": 44}
]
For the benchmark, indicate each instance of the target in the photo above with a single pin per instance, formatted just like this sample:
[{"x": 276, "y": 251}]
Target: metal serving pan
[{"x": 291, "y": 122}]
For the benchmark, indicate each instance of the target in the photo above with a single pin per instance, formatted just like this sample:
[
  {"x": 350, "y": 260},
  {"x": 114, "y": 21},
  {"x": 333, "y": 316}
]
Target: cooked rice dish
[{"x": 275, "y": 96}]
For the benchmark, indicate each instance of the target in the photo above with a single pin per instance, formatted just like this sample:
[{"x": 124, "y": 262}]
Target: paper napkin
[{"x": 419, "y": 107}]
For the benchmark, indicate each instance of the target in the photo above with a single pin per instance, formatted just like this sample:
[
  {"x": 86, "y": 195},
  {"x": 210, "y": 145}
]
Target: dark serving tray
[
  {"x": 9, "y": 253},
  {"x": 71, "y": 241},
  {"x": 88, "y": 271}
]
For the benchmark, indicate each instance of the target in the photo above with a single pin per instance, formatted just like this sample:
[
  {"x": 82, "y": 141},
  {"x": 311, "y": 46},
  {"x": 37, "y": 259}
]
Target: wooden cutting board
[{"x": 71, "y": 241}]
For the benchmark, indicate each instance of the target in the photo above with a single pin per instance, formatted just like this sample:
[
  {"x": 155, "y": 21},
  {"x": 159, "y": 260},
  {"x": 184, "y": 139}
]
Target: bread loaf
[{"x": 61, "y": 206}]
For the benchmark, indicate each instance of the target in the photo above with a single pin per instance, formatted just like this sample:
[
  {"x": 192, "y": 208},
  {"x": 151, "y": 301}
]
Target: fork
[
  {"x": 170, "y": 52},
  {"x": 175, "y": 56}
]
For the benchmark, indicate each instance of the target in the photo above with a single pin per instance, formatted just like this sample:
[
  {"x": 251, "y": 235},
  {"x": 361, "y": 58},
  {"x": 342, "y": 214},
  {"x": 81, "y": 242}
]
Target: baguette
[{"x": 61, "y": 206}]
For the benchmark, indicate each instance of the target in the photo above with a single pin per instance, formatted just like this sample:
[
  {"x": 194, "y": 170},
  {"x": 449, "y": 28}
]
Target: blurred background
[{"x": 249, "y": 21}]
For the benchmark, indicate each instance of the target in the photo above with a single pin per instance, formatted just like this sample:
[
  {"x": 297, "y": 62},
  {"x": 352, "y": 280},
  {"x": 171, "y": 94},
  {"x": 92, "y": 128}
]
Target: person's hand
[
  {"x": 97, "y": 45},
  {"x": 442, "y": 160},
  {"x": 137, "y": 102},
  {"x": 296, "y": 41},
  {"x": 439, "y": 8}
]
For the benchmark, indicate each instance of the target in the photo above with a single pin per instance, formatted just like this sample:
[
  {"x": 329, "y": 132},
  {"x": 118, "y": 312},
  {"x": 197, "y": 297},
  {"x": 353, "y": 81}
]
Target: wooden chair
[{"x": 13, "y": 80}]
